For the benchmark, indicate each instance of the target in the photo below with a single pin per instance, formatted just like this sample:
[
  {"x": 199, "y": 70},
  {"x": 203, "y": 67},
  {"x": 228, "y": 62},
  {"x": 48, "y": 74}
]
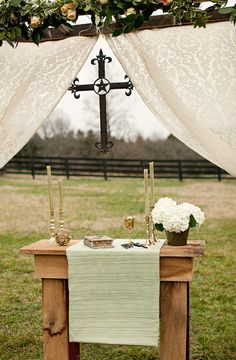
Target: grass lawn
[{"x": 93, "y": 206}]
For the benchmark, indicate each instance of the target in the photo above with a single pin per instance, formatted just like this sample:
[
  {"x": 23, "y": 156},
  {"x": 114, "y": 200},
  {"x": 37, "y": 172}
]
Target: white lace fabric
[
  {"x": 32, "y": 81},
  {"x": 187, "y": 77}
]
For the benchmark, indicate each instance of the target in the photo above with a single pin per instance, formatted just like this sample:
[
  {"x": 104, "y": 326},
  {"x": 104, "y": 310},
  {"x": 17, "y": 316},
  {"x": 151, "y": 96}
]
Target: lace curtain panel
[
  {"x": 187, "y": 77},
  {"x": 32, "y": 81}
]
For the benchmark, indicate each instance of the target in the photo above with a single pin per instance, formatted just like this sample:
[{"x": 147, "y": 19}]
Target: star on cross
[{"x": 102, "y": 84}]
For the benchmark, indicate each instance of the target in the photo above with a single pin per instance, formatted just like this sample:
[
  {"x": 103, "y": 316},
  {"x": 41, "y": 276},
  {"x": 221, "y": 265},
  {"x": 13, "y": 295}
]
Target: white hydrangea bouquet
[{"x": 176, "y": 219}]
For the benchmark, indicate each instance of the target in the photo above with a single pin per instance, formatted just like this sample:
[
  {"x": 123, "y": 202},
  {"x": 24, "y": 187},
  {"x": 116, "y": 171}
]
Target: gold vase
[{"x": 177, "y": 239}]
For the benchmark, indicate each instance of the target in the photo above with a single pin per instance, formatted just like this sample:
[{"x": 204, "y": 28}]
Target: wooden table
[{"x": 176, "y": 271}]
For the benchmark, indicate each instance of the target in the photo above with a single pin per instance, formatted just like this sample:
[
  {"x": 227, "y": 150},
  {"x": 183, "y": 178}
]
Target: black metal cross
[{"x": 101, "y": 86}]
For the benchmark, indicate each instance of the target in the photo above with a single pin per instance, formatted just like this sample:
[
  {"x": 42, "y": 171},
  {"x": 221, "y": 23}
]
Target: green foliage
[
  {"x": 30, "y": 18},
  {"x": 36, "y": 36},
  {"x": 159, "y": 227},
  {"x": 229, "y": 10},
  {"x": 192, "y": 221}
]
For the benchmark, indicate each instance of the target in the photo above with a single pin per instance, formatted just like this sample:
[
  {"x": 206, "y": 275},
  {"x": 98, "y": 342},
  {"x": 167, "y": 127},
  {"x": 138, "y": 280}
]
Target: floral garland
[{"x": 29, "y": 19}]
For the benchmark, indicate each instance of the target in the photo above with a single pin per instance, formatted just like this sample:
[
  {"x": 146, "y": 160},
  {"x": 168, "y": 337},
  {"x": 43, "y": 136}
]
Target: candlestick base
[
  {"x": 52, "y": 240},
  {"x": 152, "y": 238}
]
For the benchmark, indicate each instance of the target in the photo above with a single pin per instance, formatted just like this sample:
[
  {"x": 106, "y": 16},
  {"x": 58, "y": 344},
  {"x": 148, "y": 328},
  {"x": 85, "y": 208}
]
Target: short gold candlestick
[
  {"x": 153, "y": 233},
  {"x": 52, "y": 226},
  {"x": 61, "y": 218},
  {"x": 62, "y": 235}
]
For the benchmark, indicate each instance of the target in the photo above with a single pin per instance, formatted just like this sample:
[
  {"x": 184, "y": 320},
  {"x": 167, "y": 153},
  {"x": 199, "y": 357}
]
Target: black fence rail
[{"x": 108, "y": 168}]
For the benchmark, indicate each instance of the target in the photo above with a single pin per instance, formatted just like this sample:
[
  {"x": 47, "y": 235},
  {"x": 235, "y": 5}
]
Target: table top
[{"x": 194, "y": 248}]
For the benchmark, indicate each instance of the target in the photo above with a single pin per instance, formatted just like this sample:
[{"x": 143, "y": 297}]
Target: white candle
[
  {"x": 50, "y": 188},
  {"x": 151, "y": 169},
  {"x": 146, "y": 192}
]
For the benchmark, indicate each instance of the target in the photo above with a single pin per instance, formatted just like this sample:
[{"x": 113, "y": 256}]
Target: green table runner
[{"x": 114, "y": 294}]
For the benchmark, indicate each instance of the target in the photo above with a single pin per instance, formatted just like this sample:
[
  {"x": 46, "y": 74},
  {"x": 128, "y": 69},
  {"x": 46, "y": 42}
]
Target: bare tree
[
  {"x": 119, "y": 116},
  {"x": 57, "y": 123}
]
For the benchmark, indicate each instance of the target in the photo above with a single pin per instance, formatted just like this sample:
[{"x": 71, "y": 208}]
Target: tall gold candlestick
[
  {"x": 148, "y": 238},
  {"x": 151, "y": 170},
  {"x": 151, "y": 204},
  {"x": 51, "y": 205},
  {"x": 61, "y": 211},
  {"x": 146, "y": 192}
]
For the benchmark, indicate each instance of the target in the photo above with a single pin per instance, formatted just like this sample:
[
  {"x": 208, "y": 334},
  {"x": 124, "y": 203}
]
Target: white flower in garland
[
  {"x": 169, "y": 216},
  {"x": 130, "y": 11}
]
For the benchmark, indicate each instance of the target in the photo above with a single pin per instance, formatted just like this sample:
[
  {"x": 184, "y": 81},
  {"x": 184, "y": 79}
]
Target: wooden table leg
[
  {"x": 188, "y": 324},
  {"x": 174, "y": 321},
  {"x": 74, "y": 351},
  {"x": 55, "y": 322}
]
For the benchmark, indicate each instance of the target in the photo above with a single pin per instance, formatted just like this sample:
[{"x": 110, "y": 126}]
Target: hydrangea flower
[
  {"x": 197, "y": 213},
  {"x": 160, "y": 209},
  {"x": 169, "y": 216},
  {"x": 176, "y": 219}
]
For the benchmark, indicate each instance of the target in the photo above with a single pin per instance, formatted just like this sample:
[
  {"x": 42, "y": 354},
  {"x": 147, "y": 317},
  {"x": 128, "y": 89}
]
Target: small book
[{"x": 98, "y": 242}]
